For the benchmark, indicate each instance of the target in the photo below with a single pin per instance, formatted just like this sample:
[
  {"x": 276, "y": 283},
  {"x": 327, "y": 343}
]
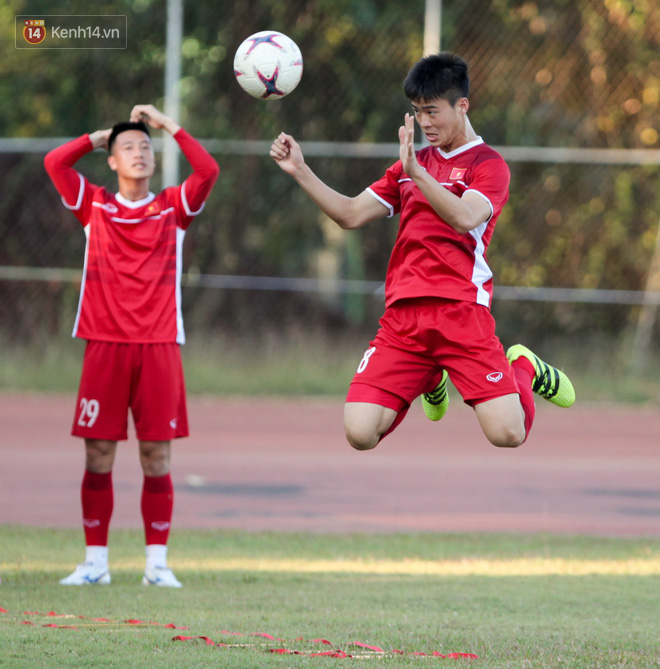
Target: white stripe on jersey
[
  {"x": 180, "y": 333},
  {"x": 184, "y": 201},
  {"x": 116, "y": 219},
  {"x": 490, "y": 204},
  {"x": 82, "y": 283},
  {"x": 380, "y": 199},
  {"x": 78, "y": 204},
  {"x": 110, "y": 208},
  {"x": 481, "y": 272}
]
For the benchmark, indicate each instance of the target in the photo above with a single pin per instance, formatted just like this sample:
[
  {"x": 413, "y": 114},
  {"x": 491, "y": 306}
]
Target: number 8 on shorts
[{"x": 365, "y": 359}]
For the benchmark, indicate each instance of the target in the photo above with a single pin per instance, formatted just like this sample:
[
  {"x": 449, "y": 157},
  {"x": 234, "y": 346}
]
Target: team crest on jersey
[
  {"x": 152, "y": 209},
  {"x": 457, "y": 173}
]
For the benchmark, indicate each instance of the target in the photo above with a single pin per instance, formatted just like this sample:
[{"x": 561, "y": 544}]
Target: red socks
[
  {"x": 97, "y": 502},
  {"x": 524, "y": 372},
  {"x": 97, "y": 499},
  {"x": 157, "y": 505}
]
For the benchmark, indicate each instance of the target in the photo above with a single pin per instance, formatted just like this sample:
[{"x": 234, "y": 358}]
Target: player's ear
[
  {"x": 463, "y": 105},
  {"x": 112, "y": 161}
]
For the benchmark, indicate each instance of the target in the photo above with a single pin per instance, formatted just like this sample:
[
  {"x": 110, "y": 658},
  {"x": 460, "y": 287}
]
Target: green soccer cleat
[
  {"x": 436, "y": 403},
  {"x": 549, "y": 382}
]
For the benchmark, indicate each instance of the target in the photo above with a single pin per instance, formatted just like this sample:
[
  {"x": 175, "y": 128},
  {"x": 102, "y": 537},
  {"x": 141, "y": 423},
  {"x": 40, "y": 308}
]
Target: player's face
[
  {"x": 132, "y": 155},
  {"x": 442, "y": 124}
]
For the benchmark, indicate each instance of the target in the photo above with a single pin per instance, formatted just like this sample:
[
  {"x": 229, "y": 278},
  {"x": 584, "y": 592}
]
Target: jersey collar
[
  {"x": 134, "y": 205},
  {"x": 461, "y": 149}
]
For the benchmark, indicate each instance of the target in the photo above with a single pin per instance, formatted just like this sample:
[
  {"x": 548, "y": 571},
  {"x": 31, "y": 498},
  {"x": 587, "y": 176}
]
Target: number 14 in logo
[{"x": 34, "y": 31}]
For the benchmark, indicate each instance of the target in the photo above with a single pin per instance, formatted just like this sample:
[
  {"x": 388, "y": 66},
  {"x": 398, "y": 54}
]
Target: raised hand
[
  {"x": 407, "y": 146},
  {"x": 286, "y": 152},
  {"x": 153, "y": 117},
  {"x": 99, "y": 139}
]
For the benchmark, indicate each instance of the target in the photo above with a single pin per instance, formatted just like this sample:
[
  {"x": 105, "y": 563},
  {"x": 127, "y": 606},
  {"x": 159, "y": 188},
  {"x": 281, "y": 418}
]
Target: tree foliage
[{"x": 577, "y": 73}]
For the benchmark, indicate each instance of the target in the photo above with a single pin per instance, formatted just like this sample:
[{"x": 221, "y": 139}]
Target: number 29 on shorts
[{"x": 89, "y": 412}]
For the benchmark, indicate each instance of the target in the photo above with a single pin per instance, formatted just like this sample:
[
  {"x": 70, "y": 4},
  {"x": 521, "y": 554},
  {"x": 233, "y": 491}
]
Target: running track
[{"x": 283, "y": 465}]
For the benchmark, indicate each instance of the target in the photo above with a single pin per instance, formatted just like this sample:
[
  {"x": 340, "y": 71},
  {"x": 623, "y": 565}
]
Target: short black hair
[
  {"x": 443, "y": 75},
  {"x": 123, "y": 127}
]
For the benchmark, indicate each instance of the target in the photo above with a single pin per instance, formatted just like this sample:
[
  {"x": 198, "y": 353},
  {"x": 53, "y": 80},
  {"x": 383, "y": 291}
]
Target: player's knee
[
  {"x": 363, "y": 425},
  {"x": 507, "y": 437},
  {"x": 361, "y": 439},
  {"x": 99, "y": 455},
  {"x": 155, "y": 457},
  {"x": 502, "y": 421}
]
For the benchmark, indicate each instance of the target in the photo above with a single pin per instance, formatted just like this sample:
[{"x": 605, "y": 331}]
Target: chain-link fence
[{"x": 261, "y": 259}]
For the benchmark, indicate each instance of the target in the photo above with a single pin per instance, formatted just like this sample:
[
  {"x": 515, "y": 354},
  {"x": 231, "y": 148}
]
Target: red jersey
[
  {"x": 429, "y": 258},
  {"x": 131, "y": 285}
]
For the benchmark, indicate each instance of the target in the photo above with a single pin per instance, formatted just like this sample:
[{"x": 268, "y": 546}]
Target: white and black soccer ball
[{"x": 268, "y": 65}]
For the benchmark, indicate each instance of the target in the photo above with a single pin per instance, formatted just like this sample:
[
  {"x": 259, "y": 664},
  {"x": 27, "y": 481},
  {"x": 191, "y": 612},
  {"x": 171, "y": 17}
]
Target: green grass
[
  {"x": 514, "y": 600},
  {"x": 300, "y": 366}
]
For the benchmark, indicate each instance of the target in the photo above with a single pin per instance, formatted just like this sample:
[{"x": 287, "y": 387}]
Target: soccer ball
[{"x": 268, "y": 65}]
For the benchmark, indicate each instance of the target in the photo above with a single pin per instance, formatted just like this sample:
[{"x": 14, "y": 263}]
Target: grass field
[{"x": 513, "y": 600}]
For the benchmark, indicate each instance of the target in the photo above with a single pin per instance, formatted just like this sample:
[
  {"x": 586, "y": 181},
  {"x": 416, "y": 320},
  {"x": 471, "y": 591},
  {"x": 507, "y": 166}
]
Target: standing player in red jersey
[
  {"x": 130, "y": 314},
  {"x": 437, "y": 322}
]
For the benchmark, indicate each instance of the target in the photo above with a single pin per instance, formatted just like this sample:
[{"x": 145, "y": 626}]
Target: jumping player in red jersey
[
  {"x": 130, "y": 314},
  {"x": 437, "y": 322}
]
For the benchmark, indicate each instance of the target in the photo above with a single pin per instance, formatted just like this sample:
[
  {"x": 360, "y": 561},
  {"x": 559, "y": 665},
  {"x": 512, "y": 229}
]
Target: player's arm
[
  {"x": 198, "y": 185},
  {"x": 60, "y": 161},
  {"x": 154, "y": 118},
  {"x": 461, "y": 213},
  {"x": 348, "y": 212}
]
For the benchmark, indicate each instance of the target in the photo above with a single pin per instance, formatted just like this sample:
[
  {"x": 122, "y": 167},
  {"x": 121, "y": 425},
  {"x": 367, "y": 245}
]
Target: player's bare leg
[
  {"x": 366, "y": 423},
  {"x": 99, "y": 455},
  {"x": 502, "y": 420},
  {"x": 155, "y": 457},
  {"x": 157, "y": 505}
]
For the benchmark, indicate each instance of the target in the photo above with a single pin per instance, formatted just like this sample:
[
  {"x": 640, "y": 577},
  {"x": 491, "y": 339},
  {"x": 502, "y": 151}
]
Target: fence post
[
  {"x": 172, "y": 93},
  {"x": 647, "y": 314}
]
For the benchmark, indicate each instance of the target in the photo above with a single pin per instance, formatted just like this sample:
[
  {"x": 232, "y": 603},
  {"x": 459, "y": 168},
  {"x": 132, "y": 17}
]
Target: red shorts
[
  {"x": 420, "y": 337},
  {"x": 147, "y": 378}
]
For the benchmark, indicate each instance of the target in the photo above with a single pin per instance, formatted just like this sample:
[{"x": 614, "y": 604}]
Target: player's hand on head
[
  {"x": 99, "y": 138},
  {"x": 286, "y": 152},
  {"x": 149, "y": 115},
  {"x": 154, "y": 118}
]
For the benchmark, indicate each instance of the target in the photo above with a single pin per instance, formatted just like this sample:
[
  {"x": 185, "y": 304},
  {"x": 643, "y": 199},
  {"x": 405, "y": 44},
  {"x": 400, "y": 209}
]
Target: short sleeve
[
  {"x": 387, "y": 189},
  {"x": 491, "y": 180}
]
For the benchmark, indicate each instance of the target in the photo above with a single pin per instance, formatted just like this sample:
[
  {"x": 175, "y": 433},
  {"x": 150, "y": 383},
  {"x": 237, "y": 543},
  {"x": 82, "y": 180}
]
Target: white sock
[
  {"x": 156, "y": 555},
  {"x": 97, "y": 555}
]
